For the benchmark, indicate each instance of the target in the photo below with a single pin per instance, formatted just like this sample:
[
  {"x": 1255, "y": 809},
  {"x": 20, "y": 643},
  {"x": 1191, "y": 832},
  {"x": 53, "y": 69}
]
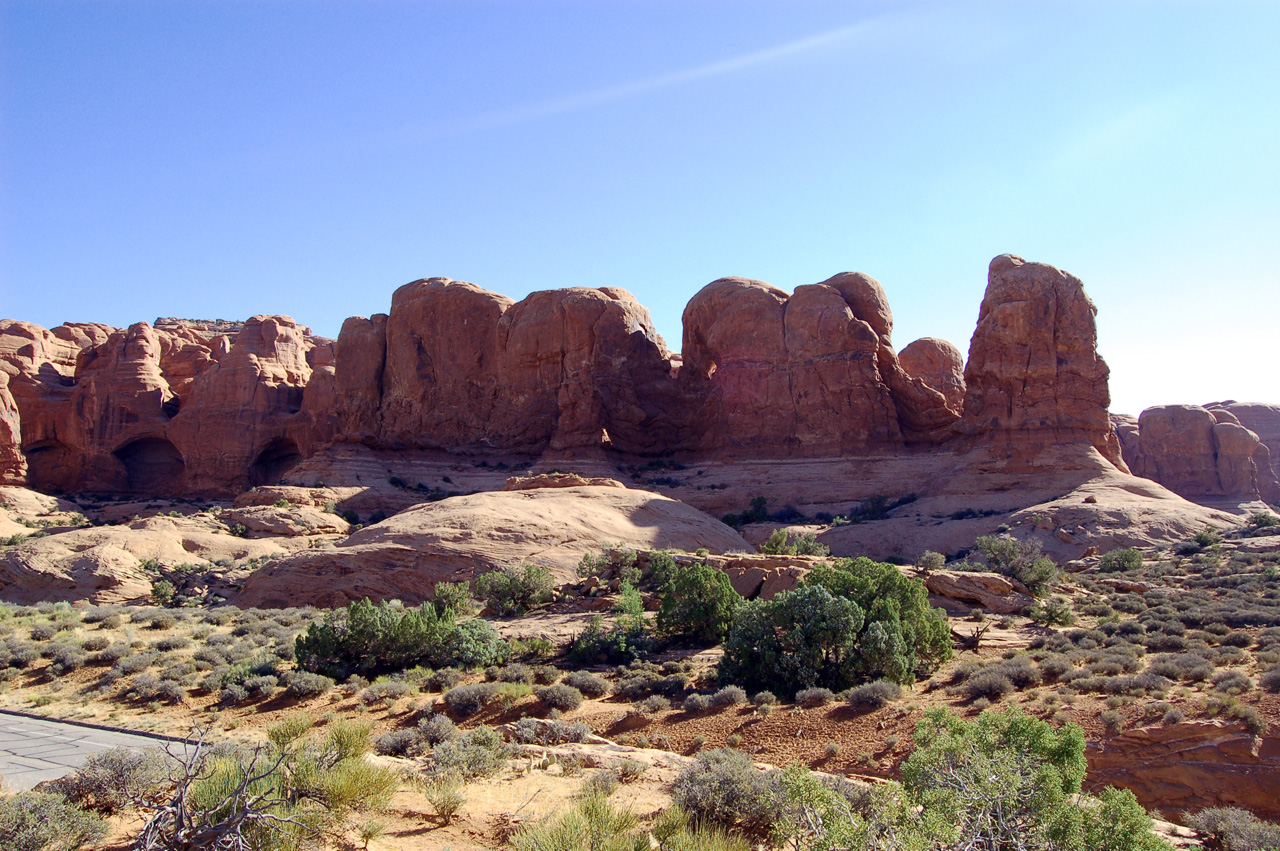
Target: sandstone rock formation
[
  {"x": 1034, "y": 376},
  {"x": 213, "y": 407},
  {"x": 938, "y": 364},
  {"x": 990, "y": 591},
  {"x": 404, "y": 556},
  {"x": 178, "y": 409},
  {"x": 13, "y": 464},
  {"x": 1191, "y": 766},
  {"x": 103, "y": 565},
  {"x": 1200, "y": 453}
]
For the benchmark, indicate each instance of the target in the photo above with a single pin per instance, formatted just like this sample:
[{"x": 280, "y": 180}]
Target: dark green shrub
[
  {"x": 451, "y": 598},
  {"x": 1020, "y": 560},
  {"x": 781, "y": 542},
  {"x": 625, "y": 640},
  {"x": 1052, "y": 612},
  {"x": 1117, "y": 560},
  {"x": 514, "y": 591},
  {"x": 697, "y": 603},
  {"x": 849, "y": 622},
  {"x": 371, "y": 638}
]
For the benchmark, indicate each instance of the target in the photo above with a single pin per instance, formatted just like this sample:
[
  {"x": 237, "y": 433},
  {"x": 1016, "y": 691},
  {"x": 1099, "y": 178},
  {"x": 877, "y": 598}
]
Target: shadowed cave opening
[
  {"x": 153, "y": 465},
  {"x": 273, "y": 462},
  {"x": 49, "y": 467}
]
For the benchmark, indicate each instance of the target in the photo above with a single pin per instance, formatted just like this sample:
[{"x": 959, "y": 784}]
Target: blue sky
[{"x": 221, "y": 159}]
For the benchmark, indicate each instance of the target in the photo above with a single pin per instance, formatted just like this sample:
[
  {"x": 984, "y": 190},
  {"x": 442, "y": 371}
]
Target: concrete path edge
[{"x": 89, "y": 725}]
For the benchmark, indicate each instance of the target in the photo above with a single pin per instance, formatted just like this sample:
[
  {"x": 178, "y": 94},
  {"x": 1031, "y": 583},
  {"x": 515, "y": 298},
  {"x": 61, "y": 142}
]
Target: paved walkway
[{"x": 35, "y": 750}]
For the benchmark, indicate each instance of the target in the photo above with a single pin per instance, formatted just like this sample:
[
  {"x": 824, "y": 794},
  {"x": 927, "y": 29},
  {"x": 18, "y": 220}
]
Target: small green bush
[
  {"x": 1020, "y": 560},
  {"x": 1234, "y": 829},
  {"x": 369, "y": 638},
  {"x": 476, "y": 753},
  {"x": 514, "y": 591},
  {"x": 781, "y": 542},
  {"x": 565, "y": 698},
  {"x": 814, "y": 696},
  {"x": 589, "y": 684},
  {"x": 849, "y": 622},
  {"x": 1117, "y": 560}
]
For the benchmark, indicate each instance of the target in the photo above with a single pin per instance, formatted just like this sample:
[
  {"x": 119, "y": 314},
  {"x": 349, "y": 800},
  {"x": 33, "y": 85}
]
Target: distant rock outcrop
[
  {"x": 1191, "y": 766},
  {"x": 1202, "y": 453}
]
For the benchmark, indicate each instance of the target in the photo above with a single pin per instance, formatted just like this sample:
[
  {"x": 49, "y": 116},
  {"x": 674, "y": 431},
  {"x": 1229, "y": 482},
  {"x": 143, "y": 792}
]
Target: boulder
[
  {"x": 289, "y": 521},
  {"x": 991, "y": 592},
  {"x": 939, "y": 365}
]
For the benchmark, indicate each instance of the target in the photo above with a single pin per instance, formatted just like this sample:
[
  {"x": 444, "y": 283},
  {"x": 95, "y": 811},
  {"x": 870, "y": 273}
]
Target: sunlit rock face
[{"x": 188, "y": 407}]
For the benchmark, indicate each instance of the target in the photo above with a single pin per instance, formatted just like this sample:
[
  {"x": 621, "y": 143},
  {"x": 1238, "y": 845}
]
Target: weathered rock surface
[
  {"x": 159, "y": 411},
  {"x": 458, "y": 538},
  {"x": 1200, "y": 453},
  {"x": 1034, "y": 376},
  {"x": 938, "y": 364},
  {"x": 103, "y": 565},
  {"x": 1191, "y": 766},
  {"x": 990, "y": 591},
  {"x": 13, "y": 464},
  {"x": 291, "y": 521},
  {"x": 797, "y": 397}
]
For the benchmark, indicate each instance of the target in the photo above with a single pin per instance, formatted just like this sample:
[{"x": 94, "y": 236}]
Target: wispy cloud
[
  {"x": 1121, "y": 135},
  {"x": 623, "y": 91}
]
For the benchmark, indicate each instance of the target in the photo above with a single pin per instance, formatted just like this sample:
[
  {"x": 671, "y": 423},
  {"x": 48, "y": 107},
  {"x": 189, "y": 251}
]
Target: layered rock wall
[{"x": 211, "y": 408}]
